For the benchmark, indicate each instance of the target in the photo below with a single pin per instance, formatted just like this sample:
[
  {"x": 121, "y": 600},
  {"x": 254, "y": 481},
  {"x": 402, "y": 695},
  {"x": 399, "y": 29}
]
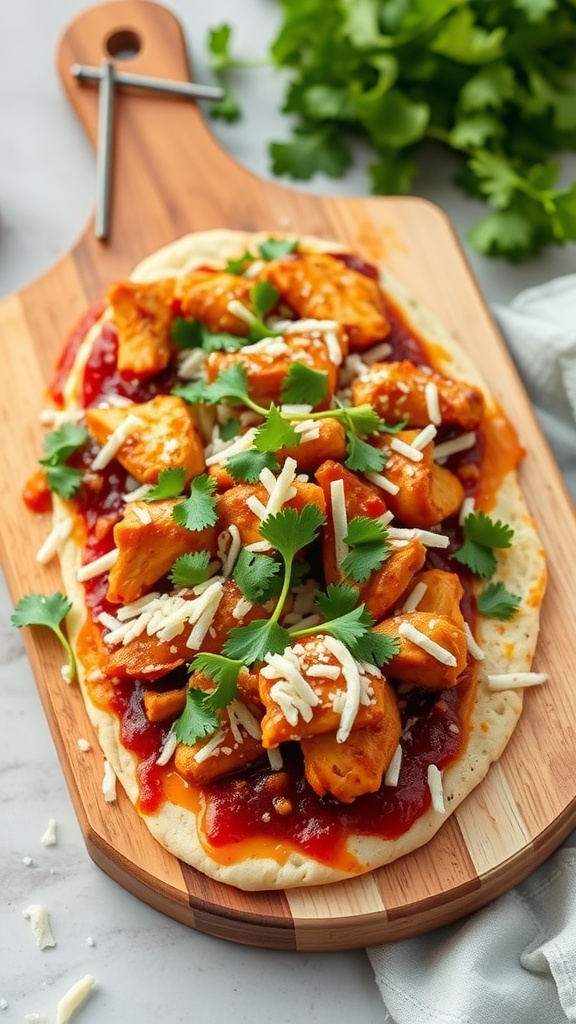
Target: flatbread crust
[{"x": 522, "y": 569}]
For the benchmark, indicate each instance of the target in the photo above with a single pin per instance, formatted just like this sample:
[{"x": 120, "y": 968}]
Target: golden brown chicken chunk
[
  {"x": 233, "y": 509},
  {"x": 350, "y": 769},
  {"x": 398, "y": 391},
  {"x": 434, "y": 667},
  {"x": 205, "y": 295},
  {"x": 427, "y": 493},
  {"x": 162, "y": 435},
  {"x": 323, "y": 287},
  {"x": 142, "y": 314},
  {"x": 149, "y": 542}
]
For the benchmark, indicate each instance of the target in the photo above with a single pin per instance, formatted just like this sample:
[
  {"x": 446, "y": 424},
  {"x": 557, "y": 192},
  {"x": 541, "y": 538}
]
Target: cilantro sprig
[
  {"x": 198, "y": 511},
  {"x": 200, "y": 715},
  {"x": 47, "y": 610},
  {"x": 492, "y": 82},
  {"x": 190, "y": 569},
  {"x": 369, "y": 549},
  {"x": 481, "y": 535},
  {"x": 170, "y": 484},
  {"x": 59, "y": 445},
  {"x": 496, "y": 602}
]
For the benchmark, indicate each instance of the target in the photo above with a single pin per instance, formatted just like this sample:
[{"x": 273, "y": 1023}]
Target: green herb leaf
[
  {"x": 361, "y": 419},
  {"x": 304, "y": 385},
  {"x": 363, "y": 457},
  {"x": 258, "y": 576},
  {"x": 58, "y": 446},
  {"x": 481, "y": 535},
  {"x": 48, "y": 610},
  {"x": 253, "y": 642},
  {"x": 289, "y": 531},
  {"x": 248, "y": 465},
  {"x": 199, "y": 718},
  {"x": 194, "y": 334},
  {"x": 199, "y": 510},
  {"x": 312, "y": 150},
  {"x": 375, "y": 648},
  {"x": 276, "y": 248},
  {"x": 170, "y": 485},
  {"x": 190, "y": 569},
  {"x": 367, "y": 538},
  {"x": 231, "y": 428},
  {"x": 496, "y": 602},
  {"x": 240, "y": 264},
  {"x": 263, "y": 297},
  {"x": 219, "y": 41},
  {"x": 276, "y": 432},
  {"x": 339, "y": 599}
]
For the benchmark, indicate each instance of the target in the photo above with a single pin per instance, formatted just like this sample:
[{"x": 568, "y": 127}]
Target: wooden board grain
[{"x": 169, "y": 178}]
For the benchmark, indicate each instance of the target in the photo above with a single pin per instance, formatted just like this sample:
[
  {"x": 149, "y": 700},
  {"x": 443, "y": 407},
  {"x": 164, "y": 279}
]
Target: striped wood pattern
[{"x": 170, "y": 177}]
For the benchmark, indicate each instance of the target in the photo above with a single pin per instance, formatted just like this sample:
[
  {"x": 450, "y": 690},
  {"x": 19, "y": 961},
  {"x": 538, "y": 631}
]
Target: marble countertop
[{"x": 147, "y": 967}]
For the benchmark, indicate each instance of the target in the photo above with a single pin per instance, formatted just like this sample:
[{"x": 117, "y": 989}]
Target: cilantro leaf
[
  {"x": 497, "y": 602},
  {"x": 339, "y": 599},
  {"x": 58, "y": 446},
  {"x": 276, "y": 248},
  {"x": 289, "y": 531},
  {"x": 303, "y": 384},
  {"x": 194, "y": 334},
  {"x": 263, "y": 297},
  {"x": 248, "y": 465},
  {"x": 190, "y": 569},
  {"x": 257, "y": 576},
  {"x": 231, "y": 385},
  {"x": 363, "y": 457},
  {"x": 253, "y": 642},
  {"x": 194, "y": 391},
  {"x": 229, "y": 429},
  {"x": 481, "y": 535},
  {"x": 170, "y": 484},
  {"x": 199, "y": 510},
  {"x": 276, "y": 432},
  {"x": 361, "y": 419},
  {"x": 199, "y": 718},
  {"x": 48, "y": 610},
  {"x": 64, "y": 480},
  {"x": 375, "y": 648},
  {"x": 240, "y": 264},
  {"x": 219, "y": 40},
  {"x": 313, "y": 149},
  {"x": 228, "y": 108},
  {"x": 367, "y": 538}
]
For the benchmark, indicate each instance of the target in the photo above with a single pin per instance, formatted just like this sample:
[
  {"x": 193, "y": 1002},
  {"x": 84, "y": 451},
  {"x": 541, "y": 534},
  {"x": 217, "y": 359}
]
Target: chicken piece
[
  {"x": 268, "y": 361},
  {"x": 427, "y": 492},
  {"x": 162, "y": 436},
  {"x": 151, "y": 657},
  {"x": 236, "y": 743},
  {"x": 323, "y": 287},
  {"x": 316, "y": 687},
  {"x": 384, "y": 586},
  {"x": 158, "y": 707},
  {"x": 442, "y": 596},
  {"x": 143, "y": 317},
  {"x": 350, "y": 769},
  {"x": 205, "y": 295},
  {"x": 397, "y": 391},
  {"x": 149, "y": 542},
  {"x": 417, "y": 666},
  {"x": 326, "y": 440},
  {"x": 232, "y": 507}
]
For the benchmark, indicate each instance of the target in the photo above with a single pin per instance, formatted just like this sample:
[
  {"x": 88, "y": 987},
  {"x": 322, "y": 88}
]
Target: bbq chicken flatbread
[{"x": 305, "y": 586}]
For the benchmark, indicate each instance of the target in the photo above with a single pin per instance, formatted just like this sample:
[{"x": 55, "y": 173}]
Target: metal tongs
[{"x": 108, "y": 77}]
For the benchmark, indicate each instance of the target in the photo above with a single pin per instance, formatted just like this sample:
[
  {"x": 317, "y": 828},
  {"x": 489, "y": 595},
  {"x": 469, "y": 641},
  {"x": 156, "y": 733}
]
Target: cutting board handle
[{"x": 168, "y": 172}]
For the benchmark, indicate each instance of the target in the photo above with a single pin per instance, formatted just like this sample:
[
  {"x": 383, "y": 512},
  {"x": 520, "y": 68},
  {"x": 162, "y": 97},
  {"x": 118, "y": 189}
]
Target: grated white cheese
[
  {"x": 234, "y": 447},
  {"x": 466, "y": 508},
  {"x": 258, "y": 546},
  {"x": 407, "y": 450},
  {"x": 49, "y": 836},
  {"x": 292, "y": 693},
  {"x": 229, "y": 561},
  {"x": 170, "y": 744},
  {"x": 74, "y": 998},
  {"x": 427, "y": 537},
  {"x": 109, "y": 783},
  {"x": 283, "y": 489},
  {"x": 239, "y": 715},
  {"x": 116, "y": 440},
  {"x": 339, "y": 519},
  {"x": 191, "y": 364},
  {"x": 353, "y": 686},
  {"x": 238, "y": 309},
  {"x": 382, "y": 482},
  {"x": 516, "y": 680},
  {"x": 471, "y": 644},
  {"x": 432, "y": 399},
  {"x": 241, "y": 608},
  {"x": 38, "y": 917},
  {"x": 54, "y": 541},
  {"x": 424, "y": 437},
  {"x": 407, "y": 630},
  {"x": 456, "y": 444},
  {"x": 377, "y": 352},
  {"x": 203, "y": 615},
  {"x": 270, "y": 346},
  {"x": 324, "y": 671},
  {"x": 143, "y": 515},
  {"x": 256, "y": 506},
  {"x": 436, "y": 789},
  {"x": 413, "y": 600},
  {"x": 296, "y": 410},
  {"x": 137, "y": 494},
  {"x": 275, "y": 759},
  {"x": 97, "y": 566},
  {"x": 393, "y": 770},
  {"x": 210, "y": 748},
  {"x": 83, "y": 745}
]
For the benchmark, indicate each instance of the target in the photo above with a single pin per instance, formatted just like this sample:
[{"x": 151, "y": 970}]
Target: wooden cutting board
[{"x": 170, "y": 177}]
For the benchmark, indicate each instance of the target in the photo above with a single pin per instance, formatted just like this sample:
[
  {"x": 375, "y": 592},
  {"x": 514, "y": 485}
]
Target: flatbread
[{"x": 508, "y": 646}]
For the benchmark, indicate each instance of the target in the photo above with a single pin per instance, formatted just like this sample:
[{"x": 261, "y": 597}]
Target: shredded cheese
[
  {"x": 353, "y": 686},
  {"x": 436, "y": 789},
  {"x": 409, "y": 632},
  {"x": 382, "y": 482},
  {"x": 170, "y": 744},
  {"x": 109, "y": 783},
  {"x": 432, "y": 399},
  {"x": 473, "y": 648},
  {"x": 339, "y": 519},
  {"x": 424, "y": 437},
  {"x": 97, "y": 566},
  {"x": 49, "y": 836},
  {"x": 413, "y": 600},
  {"x": 116, "y": 440},
  {"x": 229, "y": 561},
  {"x": 516, "y": 680},
  {"x": 54, "y": 541},
  {"x": 407, "y": 450},
  {"x": 456, "y": 444},
  {"x": 38, "y": 917},
  {"x": 74, "y": 998},
  {"x": 427, "y": 537},
  {"x": 393, "y": 770}
]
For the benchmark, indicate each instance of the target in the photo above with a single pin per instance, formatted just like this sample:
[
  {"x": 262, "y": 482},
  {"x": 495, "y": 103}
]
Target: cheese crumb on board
[
  {"x": 49, "y": 836},
  {"x": 436, "y": 789},
  {"x": 27, "y": 861},
  {"x": 38, "y": 917},
  {"x": 74, "y": 998},
  {"x": 3, "y": 1004},
  {"x": 109, "y": 783},
  {"x": 35, "y": 1018},
  {"x": 83, "y": 745}
]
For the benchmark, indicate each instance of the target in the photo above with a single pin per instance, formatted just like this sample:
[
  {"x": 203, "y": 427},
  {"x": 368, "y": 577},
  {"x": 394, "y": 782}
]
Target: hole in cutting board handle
[{"x": 124, "y": 44}]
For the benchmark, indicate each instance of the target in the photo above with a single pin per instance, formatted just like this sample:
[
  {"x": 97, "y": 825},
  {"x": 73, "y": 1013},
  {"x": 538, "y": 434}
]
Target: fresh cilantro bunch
[{"x": 492, "y": 80}]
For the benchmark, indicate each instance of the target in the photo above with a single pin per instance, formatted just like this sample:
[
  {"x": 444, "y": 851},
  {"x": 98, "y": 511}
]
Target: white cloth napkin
[{"x": 514, "y": 961}]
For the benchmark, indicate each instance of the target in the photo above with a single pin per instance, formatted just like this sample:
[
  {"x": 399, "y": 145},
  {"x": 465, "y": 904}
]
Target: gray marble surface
[{"x": 147, "y": 967}]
